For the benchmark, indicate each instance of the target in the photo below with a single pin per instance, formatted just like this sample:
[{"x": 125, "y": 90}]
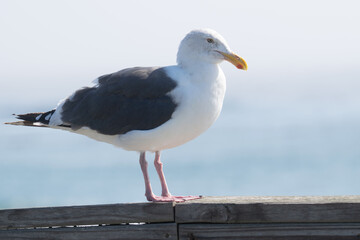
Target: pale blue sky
[{"x": 63, "y": 45}]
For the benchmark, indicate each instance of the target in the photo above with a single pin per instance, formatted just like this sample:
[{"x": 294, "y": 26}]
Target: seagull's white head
[{"x": 206, "y": 46}]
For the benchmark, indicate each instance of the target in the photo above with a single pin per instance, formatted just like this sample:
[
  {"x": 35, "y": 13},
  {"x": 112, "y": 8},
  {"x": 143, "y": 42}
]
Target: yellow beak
[{"x": 235, "y": 59}]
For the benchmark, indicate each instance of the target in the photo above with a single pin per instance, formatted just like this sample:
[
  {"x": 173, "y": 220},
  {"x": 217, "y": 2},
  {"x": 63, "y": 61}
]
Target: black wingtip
[{"x": 38, "y": 117}]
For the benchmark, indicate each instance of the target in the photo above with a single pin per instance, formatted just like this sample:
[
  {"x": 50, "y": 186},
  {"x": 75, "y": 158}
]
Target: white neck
[{"x": 201, "y": 69}]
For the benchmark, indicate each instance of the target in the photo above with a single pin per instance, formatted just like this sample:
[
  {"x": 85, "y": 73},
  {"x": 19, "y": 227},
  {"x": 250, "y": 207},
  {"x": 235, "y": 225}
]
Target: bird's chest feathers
[
  {"x": 200, "y": 102},
  {"x": 206, "y": 101}
]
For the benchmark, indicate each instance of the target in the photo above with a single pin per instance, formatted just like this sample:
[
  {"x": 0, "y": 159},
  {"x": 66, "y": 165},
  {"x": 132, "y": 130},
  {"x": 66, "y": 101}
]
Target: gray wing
[{"x": 131, "y": 99}]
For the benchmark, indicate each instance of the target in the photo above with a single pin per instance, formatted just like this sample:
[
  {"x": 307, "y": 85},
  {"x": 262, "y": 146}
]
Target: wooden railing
[{"x": 250, "y": 218}]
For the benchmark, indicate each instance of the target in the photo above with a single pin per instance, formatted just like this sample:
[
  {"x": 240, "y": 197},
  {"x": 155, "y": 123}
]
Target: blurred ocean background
[{"x": 290, "y": 125}]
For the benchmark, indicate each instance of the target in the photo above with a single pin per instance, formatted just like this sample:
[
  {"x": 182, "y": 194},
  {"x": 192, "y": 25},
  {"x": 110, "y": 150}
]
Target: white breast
[{"x": 199, "y": 98}]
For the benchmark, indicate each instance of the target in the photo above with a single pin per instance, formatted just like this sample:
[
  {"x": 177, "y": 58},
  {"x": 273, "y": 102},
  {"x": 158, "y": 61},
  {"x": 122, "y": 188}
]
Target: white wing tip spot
[
  {"x": 48, "y": 117},
  {"x": 38, "y": 117}
]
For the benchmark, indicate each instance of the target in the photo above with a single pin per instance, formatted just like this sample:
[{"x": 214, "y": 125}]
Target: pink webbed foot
[{"x": 154, "y": 198}]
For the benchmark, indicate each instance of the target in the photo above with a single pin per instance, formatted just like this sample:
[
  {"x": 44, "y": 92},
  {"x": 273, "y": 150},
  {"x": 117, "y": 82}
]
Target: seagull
[{"x": 150, "y": 109}]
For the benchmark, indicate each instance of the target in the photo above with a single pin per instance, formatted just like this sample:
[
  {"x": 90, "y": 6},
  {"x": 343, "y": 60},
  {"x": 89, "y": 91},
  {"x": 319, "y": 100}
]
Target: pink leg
[
  {"x": 144, "y": 165},
  {"x": 166, "y": 196},
  {"x": 159, "y": 168}
]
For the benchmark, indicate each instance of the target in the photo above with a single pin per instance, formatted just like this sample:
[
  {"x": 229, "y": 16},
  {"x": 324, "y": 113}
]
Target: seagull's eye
[{"x": 210, "y": 40}]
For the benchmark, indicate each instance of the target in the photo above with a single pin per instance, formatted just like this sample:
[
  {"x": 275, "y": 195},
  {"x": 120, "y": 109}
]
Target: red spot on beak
[{"x": 239, "y": 66}]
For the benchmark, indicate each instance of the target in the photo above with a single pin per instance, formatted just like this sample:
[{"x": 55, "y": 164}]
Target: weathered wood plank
[
  {"x": 87, "y": 215},
  {"x": 269, "y": 210},
  {"x": 345, "y": 231},
  {"x": 154, "y": 231}
]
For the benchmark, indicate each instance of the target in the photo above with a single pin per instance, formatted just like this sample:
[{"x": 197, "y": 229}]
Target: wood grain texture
[
  {"x": 87, "y": 215},
  {"x": 156, "y": 231},
  {"x": 269, "y": 210},
  {"x": 270, "y": 231},
  {"x": 260, "y": 218}
]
